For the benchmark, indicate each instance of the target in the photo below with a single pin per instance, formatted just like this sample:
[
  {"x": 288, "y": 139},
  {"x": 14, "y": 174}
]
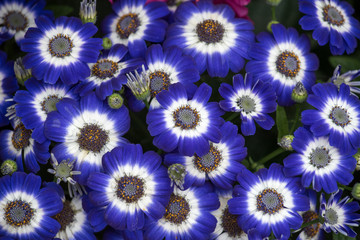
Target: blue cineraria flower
[
  {"x": 17, "y": 16},
  {"x": 133, "y": 187},
  {"x": 268, "y": 201},
  {"x": 332, "y": 22},
  {"x": 188, "y": 215},
  {"x": 72, "y": 218},
  {"x": 8, "y": 85},
  {"x": 37, "y": 102},
  {"x": 319, "y": 163},
  {"x": 168, "y": 66},
  {"x": 314, "y": 231},
  {"x": 134, "y": 22},
  {"x": 283, "y": 59},
  {"x": 253, "y": 99},
  {"x": 185, "y": 124},
  {"x": 108, "y": 73},
  {"x": 337, "y": 114},
  {"x": 227, "y": 227},
  {"x": 346, "y": 78},
  {"x": 339, "y": 214},
  {"x": 25, "y": 209},
  {"x": 85, "y": 131},
  {"x": 18, "y": 145},
  {"x": 61, "y": 49},
  {"x": 212, "y": 36},
  {"x": 220, "y": 165}
]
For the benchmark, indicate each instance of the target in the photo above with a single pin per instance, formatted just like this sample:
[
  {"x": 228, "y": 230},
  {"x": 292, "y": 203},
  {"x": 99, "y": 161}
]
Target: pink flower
[{"x": 238, "y": 6}]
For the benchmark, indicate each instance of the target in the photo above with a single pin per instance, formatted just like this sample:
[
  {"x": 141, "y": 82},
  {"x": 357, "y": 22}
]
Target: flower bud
[
  {"x": 273, "y": 2},
  {"x": 139, "y": 84},
  {"x": 107, "y": 44},
  {"x": 299, "y": 93},
  {"x": 22, "y": 74},
  {"x": 115, "y": 101},
  {"x": 285, "y": 142},
  {"x": 356, "y": 191},
  {"x": 177, "y": 174},
  {"x": 8, "y": 167},
  {"x": 88, "y": 11}
]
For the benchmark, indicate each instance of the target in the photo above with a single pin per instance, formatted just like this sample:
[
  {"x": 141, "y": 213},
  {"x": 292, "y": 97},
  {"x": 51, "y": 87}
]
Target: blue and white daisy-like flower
[
  {"x": 168, "y": 66},
  {"x": 212, "y": 36},
  {"x": 34, "y": 104},
  {"x": 185, "y": 124},
  {"x": 283, "y": 59},
  {"x": 346, "y": 78},
  {"x": 60, "y": 50},
  {"x": 85, "y": 131},
  {"x": 220, "y": 165},
  {"x": 253, "y": 99},
  {"x": 318, "y": 163},
  {"x": 314, "y": 231},
  {"x": 227, "y": 227},
  {"x": 26, "y": 210},
  {"x": 72, "y": 217},
  {"x": 134, "y": 187},
  {"x": 268, "y": 201},
  {"x": 332, "y": 22},
  {"x": 133, "y": 23},
  {"x": 16, "y": 17},
  {"x": 8, "y": 85},
  {"x": 187, "y": 215},
  {"x": 337, "y": 114},
  {"x": 339, "y": 214},
  {"x": 108, "y": 73},
  {"x": 18, "y": 145}
]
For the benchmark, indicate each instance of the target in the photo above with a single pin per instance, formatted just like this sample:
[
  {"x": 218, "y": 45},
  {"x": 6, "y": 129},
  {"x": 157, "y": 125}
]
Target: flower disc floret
[
  {"x": 186, "y": 124},
  {"x": 57, "y": 49},
  {"x": 332, "y": 22},
  {"x": 337, "y": 114},
  {"x": 212, "y": 35}
]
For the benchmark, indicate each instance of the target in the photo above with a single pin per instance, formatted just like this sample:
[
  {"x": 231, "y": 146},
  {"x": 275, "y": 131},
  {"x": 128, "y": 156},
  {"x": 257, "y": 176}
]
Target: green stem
[
  {"x": 310, "y": 223},
  {"x": 297, "y": 115},
  {"x": 147, "y": 104},
  {"x": 273, "y": 8},
  {"x": 345, "y": 187},
  {"x": 270, "y": 156},
  {"x": 232, "y": 116}
]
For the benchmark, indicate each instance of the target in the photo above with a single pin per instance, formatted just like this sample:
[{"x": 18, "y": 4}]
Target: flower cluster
[{"x": 175, "y": 119}]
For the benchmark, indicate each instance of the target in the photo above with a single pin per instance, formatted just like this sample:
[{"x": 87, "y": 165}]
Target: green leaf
[
  {"x": 340, "y": 236},
  {"x": 60, "y": 10},
  {"x": 347, "y": 63},
  {"x": 281, "y": 122}
]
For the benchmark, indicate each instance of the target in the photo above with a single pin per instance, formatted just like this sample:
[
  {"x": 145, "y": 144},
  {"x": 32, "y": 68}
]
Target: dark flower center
[
  {"x": 15, "y": 20},
  {"x": 210, "y": 31},
  {"x": 313, "y": 229},
  {"x": 21, "y": 137},
  {"x": 158, "y": 81},
  {"x": 104, "y": 68},
  {"x": 339, "y": 116},
  {"x": 331, "y": 216},
  {"x": 186, "y": 118},
  {"x": 270, "y": 201},
  {"x": 127, "y": 25},
  {"x": 92, "y": 138},
  {"x": 333, "y": 16},
  {"x": 60, "y": 45},
  {"x": 246, "y": 104},
  {"x": 177, "y": 209},
  {"x": 66, "y": 216},
  {"x": 49, "y": 103},
  {"x": 209, "y": 162},
  {"x": 18, "y": 213},
  {"x": 288, "y": 64},
  {"x": 130, "y": 189},
  {"x": 229, "y": 224},
  {"x": 320, "y": 157}
]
